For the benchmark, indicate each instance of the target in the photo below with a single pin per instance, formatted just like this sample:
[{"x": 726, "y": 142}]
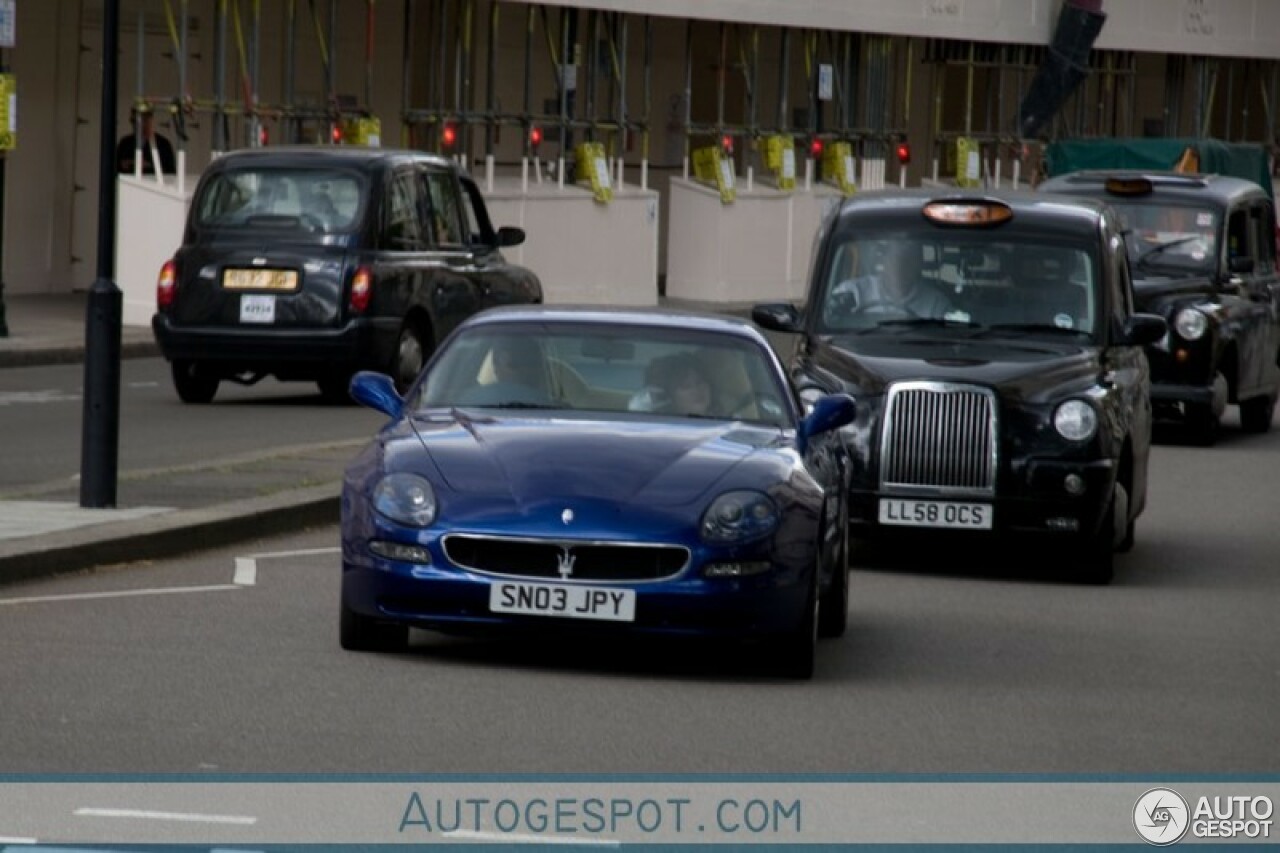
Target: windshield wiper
[
  {"x": 518, "y": 404},
  {"x": 1155, "y": 250},
  {"x": 938, "y": 322},
  {"x": 1035, "y": 327}
]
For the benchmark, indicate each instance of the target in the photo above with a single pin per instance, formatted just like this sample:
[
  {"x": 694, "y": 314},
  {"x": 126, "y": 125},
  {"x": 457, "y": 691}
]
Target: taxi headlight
[
  {"x": 405, "y": 499},
  {"x": 1190, "y": 324},
  {"x": 1075, "y": 420},
  {"x": 738, "y": 516}
]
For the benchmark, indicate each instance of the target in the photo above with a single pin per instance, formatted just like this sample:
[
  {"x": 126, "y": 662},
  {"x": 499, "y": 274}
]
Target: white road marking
[
  {"x": 141, "y": 814},
  {"x": 49, "y": 395},
  {"x": 530, "y": 839},
  {"x": 124, "y": 593},
  {"x": 4, "y": 840},
  {"x": 246, "y": 571},
  {"x": 247, "y": 567}
]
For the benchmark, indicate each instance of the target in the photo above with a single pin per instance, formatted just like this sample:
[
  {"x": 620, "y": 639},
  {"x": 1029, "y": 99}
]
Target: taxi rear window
[{"x": 314, "y": 199}]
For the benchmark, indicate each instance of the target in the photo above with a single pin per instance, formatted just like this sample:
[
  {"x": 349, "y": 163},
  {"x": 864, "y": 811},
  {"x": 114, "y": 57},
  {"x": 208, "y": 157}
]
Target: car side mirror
[
  {"x": 1143, "y": 329},
  {"x": 510, "y": 236},
  {"x": 830, "y": 412},
  {"x": 378, "y": 392},
  {"x": 777, "y": 317}
]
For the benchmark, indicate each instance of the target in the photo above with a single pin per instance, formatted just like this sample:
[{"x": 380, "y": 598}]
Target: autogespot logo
[{"x": 1161, "y": 816}]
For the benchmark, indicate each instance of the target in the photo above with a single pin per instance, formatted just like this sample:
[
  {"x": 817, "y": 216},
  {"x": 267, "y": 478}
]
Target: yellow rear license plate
[{"x": 260, "y": 279}]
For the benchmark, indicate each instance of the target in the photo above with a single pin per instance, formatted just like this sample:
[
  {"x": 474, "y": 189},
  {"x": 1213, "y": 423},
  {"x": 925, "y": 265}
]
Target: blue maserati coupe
[{"x": 604, "y": 470}]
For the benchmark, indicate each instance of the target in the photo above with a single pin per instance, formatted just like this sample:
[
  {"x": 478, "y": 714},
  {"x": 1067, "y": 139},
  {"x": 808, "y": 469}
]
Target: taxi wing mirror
[
  {"x": 777, "y": 317},
  {"x": 509, "y": 235},
  {"x": 1143, "y": 329}
]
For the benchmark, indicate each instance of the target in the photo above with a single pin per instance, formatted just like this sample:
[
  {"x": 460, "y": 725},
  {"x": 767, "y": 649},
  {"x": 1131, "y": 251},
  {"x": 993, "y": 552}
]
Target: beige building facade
[{"x": 651, "y": 80}]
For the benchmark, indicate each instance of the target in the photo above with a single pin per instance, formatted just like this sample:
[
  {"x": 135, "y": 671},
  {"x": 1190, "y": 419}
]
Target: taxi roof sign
[
  {"x": 1129, "y": 186},
  {"x": 968, "y": 212}
]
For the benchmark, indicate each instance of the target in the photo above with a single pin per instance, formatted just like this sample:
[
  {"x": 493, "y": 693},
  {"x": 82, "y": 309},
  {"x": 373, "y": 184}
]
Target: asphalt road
[
  {"x": 957, "y": 664},
  {"x": 42, "y": 412}
]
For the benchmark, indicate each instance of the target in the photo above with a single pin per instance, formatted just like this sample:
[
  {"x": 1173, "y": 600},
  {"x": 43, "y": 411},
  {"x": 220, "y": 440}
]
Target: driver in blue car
[
  {"x": 519, "y": 361},
  {"x": 897, "y": 290}
]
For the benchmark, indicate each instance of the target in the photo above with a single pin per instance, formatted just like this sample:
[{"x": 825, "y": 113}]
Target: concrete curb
[
  {"x": 17, "y": 356},
  {"x": 169, "y": 534}
]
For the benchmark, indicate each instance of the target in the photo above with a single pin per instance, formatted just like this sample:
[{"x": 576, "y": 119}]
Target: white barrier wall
[
  {"x": 149, "y": 221},
  {"x": 753, "y": 249},
  {"x": 584, "y": 251}
]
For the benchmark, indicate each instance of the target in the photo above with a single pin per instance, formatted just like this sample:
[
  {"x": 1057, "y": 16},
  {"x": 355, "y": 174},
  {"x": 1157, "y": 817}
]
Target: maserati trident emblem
[
  {"x": 566, "y": 561},
  {"x": 567, "y": 516}
]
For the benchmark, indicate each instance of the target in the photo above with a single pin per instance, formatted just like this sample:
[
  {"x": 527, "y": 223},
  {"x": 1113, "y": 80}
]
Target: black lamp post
[{"x": 101, "y": 424}]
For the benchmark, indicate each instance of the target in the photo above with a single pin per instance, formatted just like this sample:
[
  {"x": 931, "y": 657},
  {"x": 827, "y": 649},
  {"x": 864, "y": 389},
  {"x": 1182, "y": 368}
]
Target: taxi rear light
[
  {"x": 1129, "y": 186},
  {"x": 970, "y": 213},
  {"x": 361, "y": 289},
  {"x": 166, "y": 285}
]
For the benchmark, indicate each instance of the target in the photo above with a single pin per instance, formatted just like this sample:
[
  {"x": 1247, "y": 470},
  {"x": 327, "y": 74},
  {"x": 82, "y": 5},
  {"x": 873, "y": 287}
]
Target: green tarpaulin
[{"x": 1238, "y": 160}]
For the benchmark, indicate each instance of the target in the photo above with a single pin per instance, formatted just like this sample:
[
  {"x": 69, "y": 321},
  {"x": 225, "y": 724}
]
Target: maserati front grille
[
  {"x": 941, "y": 437},
  {"x": 564, "y": 560}
]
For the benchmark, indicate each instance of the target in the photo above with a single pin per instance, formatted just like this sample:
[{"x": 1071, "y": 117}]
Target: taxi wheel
[
  {"x": 192, "y": 387},
  {"x": 411, "y": 356},
  {"x": 1202, "y": 426},
  {"x": 358, "y": 633},
  {"x": 1097, "y": 554},
  {"x": 1256, "y": 414},
  {"x": 335, "y": 388}
]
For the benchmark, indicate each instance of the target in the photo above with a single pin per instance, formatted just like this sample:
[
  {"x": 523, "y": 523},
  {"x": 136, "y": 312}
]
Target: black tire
[
  {"x": 191, "y": 386},
  {"x": 1256, "y": 414},
  {"x": 410, "y": 357},
  {"x": 358, "y": 633},
  {"x": 335, "y": 388},
  {"x": 833, "y": 605},
  {"x": 1097, "y": 553},
  {"x": 798, "y": 648},
  {"x": 1202, "y": 426}
]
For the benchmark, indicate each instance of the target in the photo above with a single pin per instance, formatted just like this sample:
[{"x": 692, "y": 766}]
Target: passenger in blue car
[{"x": 686, "y": 387}]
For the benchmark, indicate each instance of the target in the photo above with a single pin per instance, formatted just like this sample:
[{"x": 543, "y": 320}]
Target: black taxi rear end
[
  {"x": 1011, "y": 398},
  {"x": 309, "y": 264}
]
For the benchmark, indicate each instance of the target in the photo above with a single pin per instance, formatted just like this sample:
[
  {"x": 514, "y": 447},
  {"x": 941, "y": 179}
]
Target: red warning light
[
  {"x": 535, "y": 138},
  {"x": 336, "y": 135},
  {"x": 726, "y": 144},
  {"x": 903, "y": 153},
  {"x": 449, "y": 135},
  {"x": 815, "y": 148}
]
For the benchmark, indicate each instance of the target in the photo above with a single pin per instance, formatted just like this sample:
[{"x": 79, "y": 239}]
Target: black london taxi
[
  {"x": 1203, "y": 255},
  {"x": 310, "y": 263},
  {"x": 992, "y": 347}
]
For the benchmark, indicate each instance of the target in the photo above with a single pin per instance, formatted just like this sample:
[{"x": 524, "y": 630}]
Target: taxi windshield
[
  {"x": 1163, "y": 236},
  {"x": 959, "y": 281}
]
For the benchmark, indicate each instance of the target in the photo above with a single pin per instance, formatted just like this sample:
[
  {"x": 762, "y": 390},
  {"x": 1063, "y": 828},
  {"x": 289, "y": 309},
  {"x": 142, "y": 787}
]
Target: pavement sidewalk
[{"x": 168, "y": 511}]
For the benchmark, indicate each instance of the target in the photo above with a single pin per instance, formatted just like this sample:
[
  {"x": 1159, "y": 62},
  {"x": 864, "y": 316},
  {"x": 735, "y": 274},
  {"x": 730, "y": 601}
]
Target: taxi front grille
[
  {"x": 940, "y": 437},
  {"x": 541, "y": 558}
]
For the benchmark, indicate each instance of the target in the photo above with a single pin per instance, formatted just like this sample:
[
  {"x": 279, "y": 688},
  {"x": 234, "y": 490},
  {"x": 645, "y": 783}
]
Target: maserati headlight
[
  {"x": 1190, "y": 324},
  {"x": 405, "y": 499},
  {"x": 739, "y": 517},
  {"x": 1075, "y": 420}
]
